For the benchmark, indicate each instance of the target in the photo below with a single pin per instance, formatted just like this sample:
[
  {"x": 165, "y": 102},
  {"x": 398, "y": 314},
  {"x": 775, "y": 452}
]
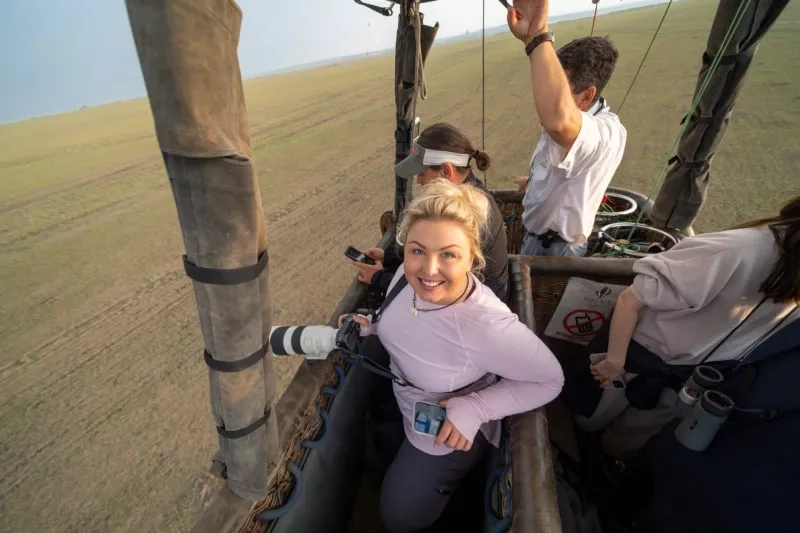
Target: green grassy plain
[{"x": 104, "y": 414}]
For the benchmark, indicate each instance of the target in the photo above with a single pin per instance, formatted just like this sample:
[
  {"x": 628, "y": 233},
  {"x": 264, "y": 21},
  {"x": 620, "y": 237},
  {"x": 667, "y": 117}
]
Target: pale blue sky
[{"x": 59, "y": 55}]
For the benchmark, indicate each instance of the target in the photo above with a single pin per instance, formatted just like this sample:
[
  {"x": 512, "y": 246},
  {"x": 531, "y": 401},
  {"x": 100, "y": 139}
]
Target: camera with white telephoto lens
[{"x": 316, "y": 342}]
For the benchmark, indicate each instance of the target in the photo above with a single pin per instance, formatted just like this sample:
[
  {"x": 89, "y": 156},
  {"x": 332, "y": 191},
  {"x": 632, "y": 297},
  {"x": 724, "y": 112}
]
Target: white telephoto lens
[{"x": 315, "y": 342}]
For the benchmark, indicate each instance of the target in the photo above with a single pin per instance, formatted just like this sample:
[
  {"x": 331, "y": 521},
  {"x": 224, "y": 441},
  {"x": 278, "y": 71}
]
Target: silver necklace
[{"x": 415, "y": 311}]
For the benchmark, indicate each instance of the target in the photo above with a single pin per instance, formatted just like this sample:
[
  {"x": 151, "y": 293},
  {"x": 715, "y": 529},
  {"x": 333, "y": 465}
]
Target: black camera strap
[
  {"x": 377, "y": 368},
  {"x": 734, "y": 330},
  {"x": 374, "y": 366},
  {"x": 765, "y": 336},
  {"x": 397, "y": 289}
]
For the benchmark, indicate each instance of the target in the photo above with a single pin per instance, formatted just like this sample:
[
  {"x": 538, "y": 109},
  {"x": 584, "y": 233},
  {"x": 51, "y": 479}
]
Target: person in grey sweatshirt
[
  {"x": 712, "y": 298},
  {"x": 685, "y": 301}
]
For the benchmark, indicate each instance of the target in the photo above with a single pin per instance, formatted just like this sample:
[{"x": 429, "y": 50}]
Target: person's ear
[
  {"x": 447, "y": 171},
  {"x": 586, "y": 97}
]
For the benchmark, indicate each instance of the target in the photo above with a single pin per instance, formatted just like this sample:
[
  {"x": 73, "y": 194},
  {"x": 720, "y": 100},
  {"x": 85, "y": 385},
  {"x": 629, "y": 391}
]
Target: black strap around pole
[
  {"x": 687, "y": 164},
  {"x": 235, "y": 366},
  {"x": 706, "y": 120},
  {"x": 229, "y": 276},
  {"x": 724, "y": 60},
  {"x": 245, "y": 431}
]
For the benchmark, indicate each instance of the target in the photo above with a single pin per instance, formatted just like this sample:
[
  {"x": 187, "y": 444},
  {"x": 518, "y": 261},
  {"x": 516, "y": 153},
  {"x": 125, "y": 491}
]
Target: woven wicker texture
[
  {"x": 512, "y": 214},
  {"x": 282, "y": 484}
]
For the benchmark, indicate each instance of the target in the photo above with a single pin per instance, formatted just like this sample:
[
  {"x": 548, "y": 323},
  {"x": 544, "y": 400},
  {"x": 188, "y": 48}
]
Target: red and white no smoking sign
[{"x": 583, "y": 310}]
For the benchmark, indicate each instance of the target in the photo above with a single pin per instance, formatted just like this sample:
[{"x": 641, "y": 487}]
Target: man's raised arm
[{"x": 555, "y": 104}]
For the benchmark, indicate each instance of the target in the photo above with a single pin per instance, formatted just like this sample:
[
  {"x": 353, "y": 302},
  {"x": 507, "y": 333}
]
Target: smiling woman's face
[{"x": 437, "y": 258}]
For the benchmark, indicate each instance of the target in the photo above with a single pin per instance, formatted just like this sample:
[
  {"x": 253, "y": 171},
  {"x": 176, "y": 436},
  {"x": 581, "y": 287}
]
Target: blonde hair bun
[{"x": 442, "y": 200}]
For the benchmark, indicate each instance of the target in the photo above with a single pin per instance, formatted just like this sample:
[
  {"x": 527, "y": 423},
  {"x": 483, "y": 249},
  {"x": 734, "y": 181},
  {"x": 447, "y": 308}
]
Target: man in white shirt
[{"x": 582, "y": 143}]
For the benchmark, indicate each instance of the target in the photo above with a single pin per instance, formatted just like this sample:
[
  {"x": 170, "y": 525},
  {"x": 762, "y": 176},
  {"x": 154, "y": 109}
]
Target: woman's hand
[
  {"x": 376, "y": 253},
  {"x": 623, "y": 324},
  {"x": 522, "y": 182},
  {"x": 361, "y": 320},
  {"x": 450, "y": 436},
  {"x": 606, "y": 370},
  {"x": 365, "y": 272}
]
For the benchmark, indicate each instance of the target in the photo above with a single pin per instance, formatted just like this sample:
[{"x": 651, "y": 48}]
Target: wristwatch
[{"x": 539, "y": 39}]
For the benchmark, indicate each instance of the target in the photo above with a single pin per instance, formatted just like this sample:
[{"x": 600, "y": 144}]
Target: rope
[
  {"x": 712, "y": 68},
  {"x": 594, "y": 19},
  {"x": 658, "y": 29},
  {"x": 483, "y": 88},
  {"x": 423, "y": 87}
]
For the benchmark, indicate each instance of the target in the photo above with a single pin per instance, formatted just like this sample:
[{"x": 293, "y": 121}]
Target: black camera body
[{"x": 348, "y": 336}]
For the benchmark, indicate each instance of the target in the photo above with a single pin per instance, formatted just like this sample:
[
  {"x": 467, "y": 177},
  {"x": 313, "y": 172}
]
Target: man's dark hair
[{"x": 589, "y": 61}]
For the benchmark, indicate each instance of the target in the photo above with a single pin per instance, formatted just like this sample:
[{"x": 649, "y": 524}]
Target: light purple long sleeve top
[{"x": 466, "y": 348}]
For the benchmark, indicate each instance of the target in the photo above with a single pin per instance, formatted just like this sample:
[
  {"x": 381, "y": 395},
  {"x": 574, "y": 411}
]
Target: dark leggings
[{"x": 418, "y": 486}]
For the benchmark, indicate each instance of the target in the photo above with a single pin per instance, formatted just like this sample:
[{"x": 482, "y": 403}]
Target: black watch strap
[{"x": 539, "y": 39}]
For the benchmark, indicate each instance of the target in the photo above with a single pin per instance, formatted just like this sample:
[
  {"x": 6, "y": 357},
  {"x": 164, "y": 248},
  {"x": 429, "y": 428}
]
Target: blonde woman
[
  {"x": 443, "y": 151},
  {"x": 455, "y": 344}
]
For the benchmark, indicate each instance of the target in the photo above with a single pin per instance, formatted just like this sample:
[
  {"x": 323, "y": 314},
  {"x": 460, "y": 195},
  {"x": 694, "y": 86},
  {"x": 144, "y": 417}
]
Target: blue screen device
[{"x": 428, "y": 418}]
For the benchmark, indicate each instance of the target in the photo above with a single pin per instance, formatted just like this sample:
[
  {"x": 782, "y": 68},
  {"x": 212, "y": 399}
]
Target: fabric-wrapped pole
[
  {"x": 414, "y": 41},
  {"x": 187, "y": 52},
  {"x": 685, "y": 186}
]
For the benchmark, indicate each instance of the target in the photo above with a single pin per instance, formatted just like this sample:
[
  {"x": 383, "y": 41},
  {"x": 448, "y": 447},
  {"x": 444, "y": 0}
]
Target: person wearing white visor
[
  {"x": 443, "y": 151},
  {"x": 582, "y": 142},
  {"x": 426, "y": 164}
]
